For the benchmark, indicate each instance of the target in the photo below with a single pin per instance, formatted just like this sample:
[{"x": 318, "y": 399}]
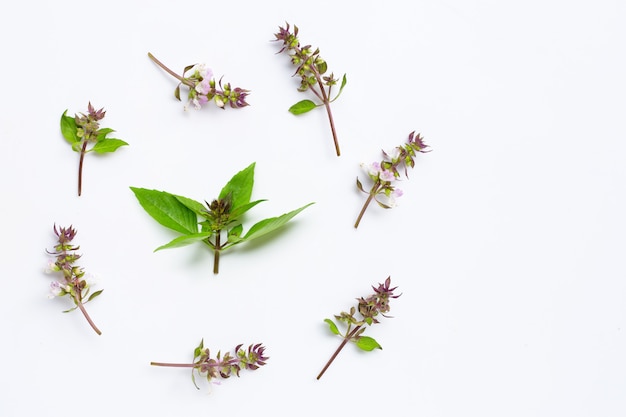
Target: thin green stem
[{"x": 345, "y": 340}]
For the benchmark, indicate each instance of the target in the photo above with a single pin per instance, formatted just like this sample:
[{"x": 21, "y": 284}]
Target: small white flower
[
  {"x": 56, "y": 289},
  {"x": 199, "y": 71},
  {"x": 387, "y": 175},
  {"x": 204, "y": 86},
  {"x": 219, "y": 102},
  {"x": 372, "y": 169},
  {"x": 90, "y": 279},
  {"x": 51, "y": 267},
  {"x": 392, "y": 200},
  {"x": 393, "y": 154}
]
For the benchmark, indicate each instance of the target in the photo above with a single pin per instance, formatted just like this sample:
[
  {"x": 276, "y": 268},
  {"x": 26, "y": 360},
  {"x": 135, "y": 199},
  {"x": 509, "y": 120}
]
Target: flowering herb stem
[
  {"x": 368, "y": 309},
  {"x": 84, "y": 129},
  {"x": 311, "y": 68},
  {"x": 74, "y": 283},
  {"x": 221, "y": 366},
  {"x": 384, "y": 173},
  {"x": 203, "y": 88},
  {"x": 220, "y": 227}
]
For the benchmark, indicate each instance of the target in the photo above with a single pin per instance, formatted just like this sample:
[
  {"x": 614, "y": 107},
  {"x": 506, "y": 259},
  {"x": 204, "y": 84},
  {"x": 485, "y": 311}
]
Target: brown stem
[
  {"x": 174, "y": 365},
  {"x": 332, "y": 127},
  {"x": 343, "y": 343},
  {"x": 93, "y": 325},
  {"x": 326, "y": 100},
  {"x": 216, "y": 257},
  {"x": 169, "y": 71},
  {"x": 367, "y": 203},
  {"x": 80, "y": 168}
]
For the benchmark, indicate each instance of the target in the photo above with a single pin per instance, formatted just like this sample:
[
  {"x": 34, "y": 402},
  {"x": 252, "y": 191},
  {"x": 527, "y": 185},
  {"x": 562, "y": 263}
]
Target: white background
[{"x": 508, "y": 244}]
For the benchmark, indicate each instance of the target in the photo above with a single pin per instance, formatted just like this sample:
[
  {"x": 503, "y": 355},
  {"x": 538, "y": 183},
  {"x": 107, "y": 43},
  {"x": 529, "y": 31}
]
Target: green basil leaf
[
  {"x": 101, "y": 134},
  {"x": 185, "y": 240},
  {"x": 239, "y": 187},
  {"x": 166, "y": 209},
  {"x": 195, "y": 206},
  {"x": 269, "y": 225},
  {"x": 367, "y": 343},
  {"x": 234, "y": 235},
  {"x": 238, "y": 211},
  {"x": 301, "y": 107},
  {"x": 332, "y": 325},
  {"x": 108, "y": 145},
  {"x": 68, "y": 128},
  {"x": 94, "y": 295}
]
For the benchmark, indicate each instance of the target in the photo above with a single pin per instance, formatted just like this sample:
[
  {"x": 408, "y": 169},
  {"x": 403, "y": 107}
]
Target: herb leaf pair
[{"x": 220, "y": 226}]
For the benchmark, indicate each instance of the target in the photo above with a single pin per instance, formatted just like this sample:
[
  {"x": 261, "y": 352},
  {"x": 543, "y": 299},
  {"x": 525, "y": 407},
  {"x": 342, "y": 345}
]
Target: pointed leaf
[
  {"x": 68, "y": 128},
  {"x": 383, "y": 205},
  {"x": 359, "y": 185},
  {"x": 367, "y": 343},
  {"x": 166, "y": 209},
  {"x": 177, "y": 92},
  {"x": 240, "y": 187},
  {"x": 269, "y": 225},
  {"x": 238, "y": 211},
  {"x": 108, "y": 145},
  {"x": 301, "y": 107},
  {"x": 94, "y": 295},
  {"x": 185, "y": 240},
  {"x": 332, "y": 325},
  {"x": 234, "y": 233},
  {"x": 101, "y": 134},
  {"x": 193, "y": 205},
  {"x": 344, "y": 81}
]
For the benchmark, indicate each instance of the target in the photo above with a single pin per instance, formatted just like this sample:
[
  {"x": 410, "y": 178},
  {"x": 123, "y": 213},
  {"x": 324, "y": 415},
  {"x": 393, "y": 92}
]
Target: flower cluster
[
  {"x": 89, "y": 124},
  {"x": 384, "y": 173},
  {"x": 311, "y": 69},
  {"x": 74, "y": 282},
  {"x": 222, "y": 366},
  {"x": 203, "y": 88},
  {"x": 368, "y": 308}
]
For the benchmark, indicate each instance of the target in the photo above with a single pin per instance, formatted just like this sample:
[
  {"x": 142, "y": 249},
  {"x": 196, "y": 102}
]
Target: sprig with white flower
[
  {"x": 203, "y": 87},
  {"x": 74, "y": 282},
  {"x": 221, "y": 366},
  {"x": 384, "y": 173}
]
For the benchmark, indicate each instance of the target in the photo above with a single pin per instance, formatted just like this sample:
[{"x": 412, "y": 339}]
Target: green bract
[{"x": 211, "y": 223}]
